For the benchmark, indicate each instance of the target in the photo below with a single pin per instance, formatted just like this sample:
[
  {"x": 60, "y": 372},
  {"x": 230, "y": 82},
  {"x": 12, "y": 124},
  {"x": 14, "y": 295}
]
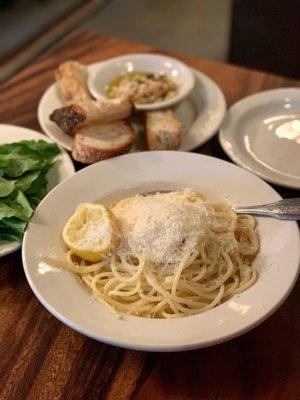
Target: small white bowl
[{"x": 102, "y": 74}]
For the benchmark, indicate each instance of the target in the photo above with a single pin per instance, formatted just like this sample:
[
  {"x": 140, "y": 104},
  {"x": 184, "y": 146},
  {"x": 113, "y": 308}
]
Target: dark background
[{"x": 261, "y": 34}]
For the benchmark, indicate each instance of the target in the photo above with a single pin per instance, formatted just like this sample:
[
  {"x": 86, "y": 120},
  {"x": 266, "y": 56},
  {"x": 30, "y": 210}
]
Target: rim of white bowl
[{"x": 187, "y": 88}]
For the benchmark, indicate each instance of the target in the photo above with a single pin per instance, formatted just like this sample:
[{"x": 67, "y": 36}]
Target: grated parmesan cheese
[
  {"x": 162, "y": 228},
  {"x": 92, "y": 234}
]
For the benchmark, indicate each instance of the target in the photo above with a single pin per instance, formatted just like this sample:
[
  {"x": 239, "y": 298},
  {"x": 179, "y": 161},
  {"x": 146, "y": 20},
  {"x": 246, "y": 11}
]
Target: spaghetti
[{"x": 140, "y": 278}]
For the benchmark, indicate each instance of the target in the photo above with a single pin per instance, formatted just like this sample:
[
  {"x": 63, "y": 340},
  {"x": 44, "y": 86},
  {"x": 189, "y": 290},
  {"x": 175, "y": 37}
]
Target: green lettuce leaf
[
  {"x": 15, "y": 224},
  {"x": 14, "y": 165},
  {"x": 15, "y": 205},
  {"x": 6, "y": 187},
  {"x": 10, "y": 235},
  {"x": 23, "y": 183}
]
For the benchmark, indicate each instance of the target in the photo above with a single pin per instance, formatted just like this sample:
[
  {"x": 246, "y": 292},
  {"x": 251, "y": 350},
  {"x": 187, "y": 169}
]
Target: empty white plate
[
  {"x": 200, "y": 113},
  {"x": 60, "y": 171},
  {"x": 64, "y": 295},
  {"x": 262, "y": 134}
]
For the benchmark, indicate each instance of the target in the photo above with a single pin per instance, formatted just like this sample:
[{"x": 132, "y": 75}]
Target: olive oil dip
[{"x": 142, "y": 87}]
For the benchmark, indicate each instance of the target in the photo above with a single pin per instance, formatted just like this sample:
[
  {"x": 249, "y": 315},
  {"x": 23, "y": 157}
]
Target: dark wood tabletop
[{"x": 40, "y": 358}]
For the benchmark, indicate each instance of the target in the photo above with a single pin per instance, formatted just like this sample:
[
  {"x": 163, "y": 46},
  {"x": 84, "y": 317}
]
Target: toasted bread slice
[
  {"x": 71, "y": 78},
  {"x": 97, "y": 142},
  {"x": 72, "y": 117},
  {"x": 163, "y": 130}
]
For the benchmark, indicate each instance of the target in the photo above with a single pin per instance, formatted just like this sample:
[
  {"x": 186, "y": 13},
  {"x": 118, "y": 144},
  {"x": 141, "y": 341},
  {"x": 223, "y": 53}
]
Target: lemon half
[{"x": 91, "y": 232}]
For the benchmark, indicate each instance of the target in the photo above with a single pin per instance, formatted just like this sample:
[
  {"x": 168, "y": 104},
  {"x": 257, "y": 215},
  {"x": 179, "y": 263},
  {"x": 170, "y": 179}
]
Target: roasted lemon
[{"x": 91, "y": 232}]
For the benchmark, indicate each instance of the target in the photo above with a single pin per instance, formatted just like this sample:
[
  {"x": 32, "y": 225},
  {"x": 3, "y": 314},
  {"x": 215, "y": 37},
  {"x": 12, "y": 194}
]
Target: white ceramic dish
[
  {"x": 62, "y": 170},
  {"x": 104, "y": 72},
  {"x": 66, "y": 297},
  {"x": 201, "y": 114},
  {"x": 262, "y": 134}
]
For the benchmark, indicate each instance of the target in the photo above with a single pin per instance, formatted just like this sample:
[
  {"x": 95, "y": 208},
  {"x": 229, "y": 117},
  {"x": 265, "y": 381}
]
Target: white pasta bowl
[
  {"x": 65, "y": 296},
  {"x": 101, "y": 74}
]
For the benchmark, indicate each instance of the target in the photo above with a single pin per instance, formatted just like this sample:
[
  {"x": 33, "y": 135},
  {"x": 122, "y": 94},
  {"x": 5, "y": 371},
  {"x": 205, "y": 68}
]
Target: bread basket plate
[
  {"x": 200, "y": 113},
  {"x": 61, "y": 170},
  {"x": 64, "y": 295}
]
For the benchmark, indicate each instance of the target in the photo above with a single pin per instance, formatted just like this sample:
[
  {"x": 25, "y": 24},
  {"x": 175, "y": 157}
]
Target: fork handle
[{"x": 288, "y": 209}]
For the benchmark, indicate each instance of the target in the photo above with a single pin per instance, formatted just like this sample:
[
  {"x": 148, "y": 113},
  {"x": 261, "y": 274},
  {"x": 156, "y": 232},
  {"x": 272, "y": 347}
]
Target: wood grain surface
[{"x": 40, "y": 358}]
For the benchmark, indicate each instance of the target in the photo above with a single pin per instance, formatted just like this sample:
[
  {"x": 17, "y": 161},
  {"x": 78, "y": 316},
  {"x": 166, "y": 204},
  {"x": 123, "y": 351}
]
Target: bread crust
[{"x": 69, "y": 118}]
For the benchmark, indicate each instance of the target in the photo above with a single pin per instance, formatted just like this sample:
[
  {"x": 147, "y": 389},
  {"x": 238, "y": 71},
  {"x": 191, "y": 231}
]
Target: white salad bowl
[
  {"x": 62, "y": 169},
  {"x": 101, "y": 74}
]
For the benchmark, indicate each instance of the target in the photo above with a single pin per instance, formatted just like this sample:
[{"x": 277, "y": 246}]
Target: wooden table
[{"x": 40, "y": 358}]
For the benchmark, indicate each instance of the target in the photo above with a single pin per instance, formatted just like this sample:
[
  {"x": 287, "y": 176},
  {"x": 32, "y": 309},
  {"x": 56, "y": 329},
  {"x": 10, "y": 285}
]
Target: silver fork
[{"x": 288, "y": 209}]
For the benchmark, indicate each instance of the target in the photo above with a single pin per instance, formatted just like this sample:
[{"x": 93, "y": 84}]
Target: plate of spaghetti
[{"x": 145, "y": 251}]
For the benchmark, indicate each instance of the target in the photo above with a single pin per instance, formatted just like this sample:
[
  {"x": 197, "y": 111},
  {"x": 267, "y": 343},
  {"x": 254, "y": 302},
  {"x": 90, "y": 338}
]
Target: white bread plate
[{"x": 200, "y": 113}]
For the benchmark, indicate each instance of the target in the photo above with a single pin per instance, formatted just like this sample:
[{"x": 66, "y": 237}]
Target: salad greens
[{"x": 23, "y": 183}]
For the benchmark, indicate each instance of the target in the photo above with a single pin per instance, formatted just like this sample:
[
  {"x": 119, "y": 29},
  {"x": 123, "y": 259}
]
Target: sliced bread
[
  {"x": 97, "y": 142},
  {"x": 163, "y": 130}
]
